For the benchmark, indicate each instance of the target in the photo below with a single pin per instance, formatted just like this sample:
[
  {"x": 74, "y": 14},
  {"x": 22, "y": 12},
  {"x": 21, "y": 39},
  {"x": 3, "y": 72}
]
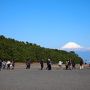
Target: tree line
[{"x": 11, "y": 49}]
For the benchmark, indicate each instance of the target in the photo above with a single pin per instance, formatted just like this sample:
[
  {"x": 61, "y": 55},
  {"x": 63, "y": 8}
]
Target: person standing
[
  {"x": 73, "y": 64},
  {"x": 66, "y": 64},
  {"x": 42, "y": 64},
  {"x": 8, "y": 64},
  {"x": 49, "y": 64},
  {"x": 12, "y": 64},
  {"x": 69, "y": 64},
  {"x": 60, "y": 64},
  {"x": 0, "y": 64},
  {"x": 28, "y": 64},
  {"x": 81, "y": 64},
  {"x": 4, "y": 64}
]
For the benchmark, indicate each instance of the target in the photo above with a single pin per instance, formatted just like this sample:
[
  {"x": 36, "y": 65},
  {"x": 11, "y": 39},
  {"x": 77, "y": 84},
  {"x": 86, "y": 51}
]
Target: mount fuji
[{"x": 78, "y": 49}]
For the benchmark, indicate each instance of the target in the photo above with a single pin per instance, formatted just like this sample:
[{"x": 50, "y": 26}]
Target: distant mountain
[
  {"x": 78, "y": 49},
  {"x": 85, "y": 55},
  {"x": 71, "y": 45}
]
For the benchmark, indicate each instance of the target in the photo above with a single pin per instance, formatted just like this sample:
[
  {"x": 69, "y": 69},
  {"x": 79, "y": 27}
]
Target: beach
[{"x": 36, "y": 79}]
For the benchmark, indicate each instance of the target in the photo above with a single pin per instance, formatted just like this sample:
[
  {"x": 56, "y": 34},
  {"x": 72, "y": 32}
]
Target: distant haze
[{"x": 81, "y": 51}]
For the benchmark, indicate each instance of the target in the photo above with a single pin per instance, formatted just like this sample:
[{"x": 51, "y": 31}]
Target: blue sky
[{"x": 49, "y": 23}]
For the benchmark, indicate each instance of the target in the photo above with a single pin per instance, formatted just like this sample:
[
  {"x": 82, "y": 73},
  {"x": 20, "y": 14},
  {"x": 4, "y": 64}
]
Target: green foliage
[{"x": 20, "y": 51}]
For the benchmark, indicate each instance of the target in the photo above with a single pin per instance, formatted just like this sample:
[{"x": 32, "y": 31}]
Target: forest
[{"x": 20, "y": 51}]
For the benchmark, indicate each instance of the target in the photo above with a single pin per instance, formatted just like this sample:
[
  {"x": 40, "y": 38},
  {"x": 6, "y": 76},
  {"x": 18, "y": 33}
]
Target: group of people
[
  {"x": 7, "y": 65},
  {"x": 48, "y": 64},
  {"x": 70, "y": 64},
  {"x": 28, "y": 64}
]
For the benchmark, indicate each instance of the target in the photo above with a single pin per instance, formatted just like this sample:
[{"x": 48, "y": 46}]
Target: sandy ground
[
  {"x": 36, "y": 79},
  {"x": 37, "y": 66}
]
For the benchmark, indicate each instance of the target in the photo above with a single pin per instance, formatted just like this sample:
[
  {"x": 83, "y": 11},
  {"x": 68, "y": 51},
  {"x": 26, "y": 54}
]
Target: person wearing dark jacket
[
  {"x": 0, "y": 64},
  {"x": 49, "y": 64},
  {"x": 42, "y": 64},
  {"x": 73, "y": 64},
  {"x": 28, "y": 64}
]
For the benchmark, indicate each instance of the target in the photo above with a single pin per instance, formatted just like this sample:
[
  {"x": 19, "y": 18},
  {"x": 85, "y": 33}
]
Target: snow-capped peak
[{"x": 71, "y": 45}]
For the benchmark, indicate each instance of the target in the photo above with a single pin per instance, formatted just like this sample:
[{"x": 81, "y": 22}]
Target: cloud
[{"x": 71, "y": 45}]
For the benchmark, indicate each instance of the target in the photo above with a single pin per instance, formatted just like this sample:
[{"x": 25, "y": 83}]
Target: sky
[{"x": 48, "y": 23}]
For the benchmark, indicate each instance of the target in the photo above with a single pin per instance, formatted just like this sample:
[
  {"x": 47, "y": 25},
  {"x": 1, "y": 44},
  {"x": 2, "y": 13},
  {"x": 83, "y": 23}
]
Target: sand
[{"x": 36, "y": 79}]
